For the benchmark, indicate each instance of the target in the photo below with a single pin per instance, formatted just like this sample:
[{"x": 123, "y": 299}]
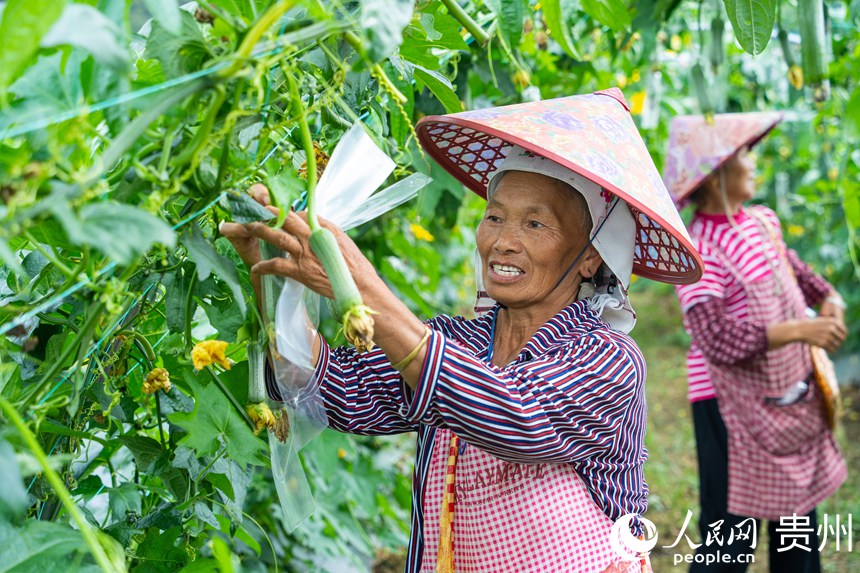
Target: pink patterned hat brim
[
  {"x": 698, "y": 148},
  {"x": 593, "y": 135}
]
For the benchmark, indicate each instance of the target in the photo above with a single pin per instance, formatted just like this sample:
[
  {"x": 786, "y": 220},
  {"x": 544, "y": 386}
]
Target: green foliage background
[{"x": 125, "y": 140}]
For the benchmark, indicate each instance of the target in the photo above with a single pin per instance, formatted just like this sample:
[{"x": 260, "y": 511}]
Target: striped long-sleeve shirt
[
  {"x": 574, "y": 395},
  {"x": 715, "y": 308}
]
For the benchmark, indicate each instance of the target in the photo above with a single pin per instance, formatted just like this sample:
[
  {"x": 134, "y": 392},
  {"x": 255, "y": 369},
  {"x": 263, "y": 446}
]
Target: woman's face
[
  {"x": 531, "y": 232},
  {"x": 740, "y": 177}
]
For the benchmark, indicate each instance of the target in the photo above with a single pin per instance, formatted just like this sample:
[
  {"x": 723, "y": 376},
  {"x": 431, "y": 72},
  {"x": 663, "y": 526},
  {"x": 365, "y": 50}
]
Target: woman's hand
[
  {"x": 301, "y": 264},
  {"x": 824, "y": 331},
  {"x": 247, "y": 245},
  {"x": 833, "y": 306}
]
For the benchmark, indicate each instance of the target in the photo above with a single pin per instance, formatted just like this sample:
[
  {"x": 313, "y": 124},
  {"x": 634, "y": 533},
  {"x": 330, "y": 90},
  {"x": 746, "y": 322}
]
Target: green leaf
[
  {"x": 441, "y": 87},
  {"x": 510, "y": 14},
  {"x": 166, "y": 12},
  {"x": 10, "y": 258},
  {"x": 431, "y": 36},
  {"x": 124, "y": 500},
  {"x": 383, "y": 22},
  {"x": 85, "y": 27},
  {"x": 611, "y": 13},
  {"x": 41, "y": 546},
  {"x": 144, "y": 449},
  {"x": 161, "y": 552},
  {"x": 13, "y": 498},
  {"x": 121, "y": 232},
  {"x": 213, "y": 422},
  {"x": 245, "y": 210},
  {"x": 21, "y": 29},
  {"x": 753, "y": 22},
  {"x": 178, "y": 53},
  {"x": 556, "y": 20},
  {"x": 209, "y": 261}
]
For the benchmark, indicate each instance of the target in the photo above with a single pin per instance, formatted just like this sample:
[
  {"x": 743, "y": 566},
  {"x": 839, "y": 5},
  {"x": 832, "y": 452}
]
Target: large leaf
[
  {"x": 210, "y": 261},
  {"x": 85, "y": 27},
  {"x": 753, "y": 22},
  {"x": 166, "y": 12},
  {"x": 121, "y": 232},
  {"x": 144, "y": 449},
  {"x": 383, "y": 22},
  {"x": 178, "y": 52},
  {"x": 611, "y": 13},
  {"x": 556, "y": 20},
  {"x": 13, "y": 498},
  {"x": 510, "y": 14},
  {"x": 441, "y": 87},
  {"x": 21, "y": 29},
  {"x": 430, "y": 36},
  {"x": 214, "y": 422},
  {"x": 41, "y": 546}
]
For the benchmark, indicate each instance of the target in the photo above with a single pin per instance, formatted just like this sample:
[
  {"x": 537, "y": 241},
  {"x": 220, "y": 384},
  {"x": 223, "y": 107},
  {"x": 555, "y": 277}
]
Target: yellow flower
[
  {"x": 421, "y": 233},
  {"x": 637, "y": 102},
  {"x": 635, "y": 77},
  {"x": 796, "y": 230},
  {"x": 795, "y": 76},
  {"x": 675, "y": 43},
  {"x": 157, "y": 379},
  {"x": 522, "y": 78},
  {"x": 208, "y": 352},
  {"x": 262, "y": 416},
  {"x": 341, "y": 453}
]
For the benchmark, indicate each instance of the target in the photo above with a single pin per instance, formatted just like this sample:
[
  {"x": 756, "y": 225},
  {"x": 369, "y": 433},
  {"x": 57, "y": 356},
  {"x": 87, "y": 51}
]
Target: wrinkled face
[
  {"x": 740, "y": 177},
  {"x": 532, "y": 230}
]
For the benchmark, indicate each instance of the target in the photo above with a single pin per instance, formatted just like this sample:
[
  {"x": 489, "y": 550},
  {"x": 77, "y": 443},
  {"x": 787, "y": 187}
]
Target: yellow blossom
[
  {"x": 522, "y": 78},
  {"x": 635, "y": 77},
  {"x": 421, "y": 233},
  {"x": 157, "y": 379},
  {"x": 341, "y": 453},
  {"x": 262, "y": 416},
  {"x": 795, "y": 76},
  {"x": 675, "y": 43},
  {"x": 637, "y": 102},
  {"x": 833, "y": 173},
  {"x": 796, "y": 230},
  {"x": 208, "y": 352}
]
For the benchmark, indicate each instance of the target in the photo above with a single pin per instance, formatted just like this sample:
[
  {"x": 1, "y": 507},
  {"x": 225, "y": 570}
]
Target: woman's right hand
[
  {"x": 246, "y": 244},
  {"x": 827, "y": 332}
]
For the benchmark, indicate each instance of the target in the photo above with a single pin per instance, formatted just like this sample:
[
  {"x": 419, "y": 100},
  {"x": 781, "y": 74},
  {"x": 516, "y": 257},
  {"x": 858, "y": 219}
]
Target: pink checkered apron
[
  {"x": 782, "y": 459},
  {"x": 516, "y": 518}
]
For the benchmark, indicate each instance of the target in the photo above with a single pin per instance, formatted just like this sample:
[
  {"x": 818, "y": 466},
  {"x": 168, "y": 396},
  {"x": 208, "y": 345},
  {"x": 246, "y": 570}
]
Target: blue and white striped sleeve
[
  {"x": 361, "y": 392},
  {"x": 569, "y": 405}
]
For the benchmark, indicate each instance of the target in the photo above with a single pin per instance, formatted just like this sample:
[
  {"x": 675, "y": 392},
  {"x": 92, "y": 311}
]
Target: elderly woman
[
  {"x": 531, "y": 417},
  {"x": 764, "y": 448}
]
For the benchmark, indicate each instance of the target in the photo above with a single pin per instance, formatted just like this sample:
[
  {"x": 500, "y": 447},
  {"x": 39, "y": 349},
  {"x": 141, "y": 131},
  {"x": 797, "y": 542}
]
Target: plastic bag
[{"x": 345, "y": 197}]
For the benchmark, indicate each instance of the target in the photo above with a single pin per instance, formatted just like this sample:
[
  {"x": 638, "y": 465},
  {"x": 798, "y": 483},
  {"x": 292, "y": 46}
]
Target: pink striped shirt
[{"x": 749, "y": 252}]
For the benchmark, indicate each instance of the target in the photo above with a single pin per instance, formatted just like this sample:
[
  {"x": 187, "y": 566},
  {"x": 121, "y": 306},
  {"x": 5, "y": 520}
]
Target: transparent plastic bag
[{"x": 345, "y": 197}]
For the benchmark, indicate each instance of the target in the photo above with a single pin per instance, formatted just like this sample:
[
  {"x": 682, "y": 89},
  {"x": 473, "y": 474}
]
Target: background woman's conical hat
[
  {"x": 593, "y": 135},
  {"x": 697, "y": 147}
]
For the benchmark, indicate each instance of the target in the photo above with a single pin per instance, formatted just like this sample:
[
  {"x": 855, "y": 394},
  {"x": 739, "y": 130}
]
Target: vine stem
[
  {"x": 307, "y": 142},
  {"x": 460, "y": 15},
  {"x": 254, "y": 34},
  {"x": 226, "y": 391},
  {"x": 89, "y": 535}
]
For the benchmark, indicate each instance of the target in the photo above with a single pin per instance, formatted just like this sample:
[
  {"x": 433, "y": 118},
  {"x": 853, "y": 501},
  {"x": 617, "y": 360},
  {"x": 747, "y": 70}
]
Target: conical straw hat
[
  {"x": 697, "y": 147},
  {"x": 593, "y": 135}
]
